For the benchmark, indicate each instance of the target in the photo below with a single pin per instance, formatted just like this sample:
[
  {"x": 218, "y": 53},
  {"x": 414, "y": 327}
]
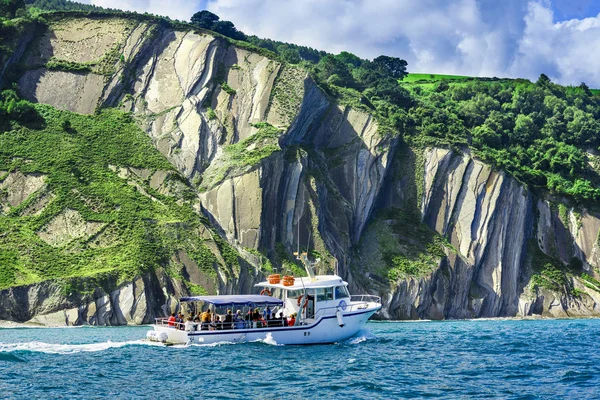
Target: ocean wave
[
  {"x": 362, "y": 335},
  {"x": 10, "y": 357},
  {"x": 16, "y": 325},
  {"x": 56, "y": 348}
]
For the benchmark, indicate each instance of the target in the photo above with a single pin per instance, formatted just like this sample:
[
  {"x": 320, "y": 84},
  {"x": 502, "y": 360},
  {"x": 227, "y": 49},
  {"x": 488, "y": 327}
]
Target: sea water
[{"x": 542, "y": 359}]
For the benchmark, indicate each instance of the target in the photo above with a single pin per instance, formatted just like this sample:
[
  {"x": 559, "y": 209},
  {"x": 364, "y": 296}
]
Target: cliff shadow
[
  {"x": 344, "y": 162},
  {"x": 31, "y": 67},
  {"x": 132, "y": 75}
]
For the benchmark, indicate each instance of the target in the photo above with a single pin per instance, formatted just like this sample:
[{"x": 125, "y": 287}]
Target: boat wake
[
  {"x": 362, "y": 336},
  {"x": 269, "y": 340},
  {"x": 56, "y": 348}
]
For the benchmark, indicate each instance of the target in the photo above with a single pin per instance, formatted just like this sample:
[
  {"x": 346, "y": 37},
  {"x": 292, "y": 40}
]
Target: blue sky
[
  {"x": 569, "y": 9},
  {"x": 504, "y": 38}
]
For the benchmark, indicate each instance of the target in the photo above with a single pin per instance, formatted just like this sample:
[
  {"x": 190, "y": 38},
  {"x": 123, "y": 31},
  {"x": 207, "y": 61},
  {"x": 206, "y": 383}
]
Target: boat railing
[
  {"x": 367, "y": 298},
  {"x": 206, "y": 326},
  {"x": 172, "y": 324},
  {"x": 355, "y": 305}
]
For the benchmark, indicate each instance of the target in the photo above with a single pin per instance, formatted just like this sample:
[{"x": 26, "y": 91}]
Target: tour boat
[{"x": 324, "y": 312}]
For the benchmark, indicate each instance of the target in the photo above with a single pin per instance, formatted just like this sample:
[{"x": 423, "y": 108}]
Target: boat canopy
[
  {"x": 240, "y": 300},
  {"x": 320, "y": 281}
]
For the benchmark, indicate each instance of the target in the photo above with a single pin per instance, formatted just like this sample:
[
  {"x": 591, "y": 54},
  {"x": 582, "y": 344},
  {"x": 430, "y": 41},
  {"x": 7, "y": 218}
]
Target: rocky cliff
[
  {"x": 500, "y": 237},
  {"x": 274, "y": 161}
]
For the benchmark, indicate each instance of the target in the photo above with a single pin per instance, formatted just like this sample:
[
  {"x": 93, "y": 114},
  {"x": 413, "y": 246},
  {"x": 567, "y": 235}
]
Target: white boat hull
[{"x": 325, "y": 330}]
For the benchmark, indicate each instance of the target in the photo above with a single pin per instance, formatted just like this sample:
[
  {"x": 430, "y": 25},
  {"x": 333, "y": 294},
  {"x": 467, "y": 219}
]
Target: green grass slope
[
  {"x": 137, "y": 228},
  {"x": 416, "y": 77}
]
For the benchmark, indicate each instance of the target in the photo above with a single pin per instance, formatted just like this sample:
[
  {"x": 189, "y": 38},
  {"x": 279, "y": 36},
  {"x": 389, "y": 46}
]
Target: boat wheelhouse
[{"x": 307, "y": 310}]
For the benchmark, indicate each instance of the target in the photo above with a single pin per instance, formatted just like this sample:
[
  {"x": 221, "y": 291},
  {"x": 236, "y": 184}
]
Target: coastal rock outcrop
[
  {"x": 60, "y": 303},
  {"x": 499, "y": 236}
]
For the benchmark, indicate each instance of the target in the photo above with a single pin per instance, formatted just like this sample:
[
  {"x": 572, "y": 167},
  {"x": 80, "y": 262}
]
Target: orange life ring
[
  {"x": 300, "y": 301},
  {"x": 265, "y": 291}
]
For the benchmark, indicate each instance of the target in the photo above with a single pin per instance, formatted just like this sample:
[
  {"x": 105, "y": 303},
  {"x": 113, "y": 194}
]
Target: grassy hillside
[
  {"x": 416, "y": 77},
  {"x": 545, "y": 135},
  {"x": 97, "y": 172}
]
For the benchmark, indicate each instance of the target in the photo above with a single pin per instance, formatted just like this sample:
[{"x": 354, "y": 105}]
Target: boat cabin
[{"x": 309, "y": 297}]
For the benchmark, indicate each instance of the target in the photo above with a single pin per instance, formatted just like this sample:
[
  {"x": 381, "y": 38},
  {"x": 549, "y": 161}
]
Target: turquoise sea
[{"x": 508, "y": 359}]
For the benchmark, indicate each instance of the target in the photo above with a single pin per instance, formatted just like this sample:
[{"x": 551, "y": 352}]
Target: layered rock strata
[{"x": 208, "y": 106}]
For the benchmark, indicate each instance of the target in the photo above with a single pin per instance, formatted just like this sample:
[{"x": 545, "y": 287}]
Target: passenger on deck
[
  {"x": 179, "y": 319},
  {"x": 205, "y": 319},
  {"x": 239, "y": 320},
  {"x": 256, "y": 314},
  {"x": 228, "y": 320},
  {"x": 189, "y": 324},
  {"x": 171, "y": 320},
  {"x": 216, "y": 324},
  {"x": 198, "y": 317},
  {"x": 281, "y": 320},
  {"x": 267, "y": 313},
  {"x": 292, "y": 320}
]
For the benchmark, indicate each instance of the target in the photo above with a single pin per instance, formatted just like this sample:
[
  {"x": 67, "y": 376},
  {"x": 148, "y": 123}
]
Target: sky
[{"x": 503, "y": 38}]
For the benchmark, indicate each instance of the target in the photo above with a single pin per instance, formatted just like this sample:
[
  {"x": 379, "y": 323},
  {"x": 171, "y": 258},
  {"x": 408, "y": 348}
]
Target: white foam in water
[
  {"x": 269, "y": 340},
  {"x": 55, "y": 348},
  {"x": 361, "y": 336}
]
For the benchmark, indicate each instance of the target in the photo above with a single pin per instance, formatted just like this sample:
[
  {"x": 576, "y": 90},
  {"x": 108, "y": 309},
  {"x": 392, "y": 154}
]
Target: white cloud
[
  {"x": 471, "y": 37},
  {"x": 509, "y": 38},
  {"x": 460, "y": 36},
  {"x": 566, "y": 51}
]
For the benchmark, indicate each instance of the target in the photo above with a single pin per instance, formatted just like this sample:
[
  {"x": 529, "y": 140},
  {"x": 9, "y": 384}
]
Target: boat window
[
  {"x": 324, "y": 294},
  {"x": 293, "y": 294},
  {"x": 341, "y": 292}
]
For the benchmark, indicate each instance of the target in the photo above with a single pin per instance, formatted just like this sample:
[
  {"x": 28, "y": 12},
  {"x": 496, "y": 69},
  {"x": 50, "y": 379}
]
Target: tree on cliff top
[
  {"x": 206, "y": 20},
  {"x": 390, "y": 66},
  {"x": 8, "y": 8}
]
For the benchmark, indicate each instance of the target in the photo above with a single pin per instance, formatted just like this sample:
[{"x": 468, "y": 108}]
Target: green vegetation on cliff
[
  {"x": 96, "y": 210},
  {"x": 543, "y": 134},
  {"x": 62, "y": 5},
  {"x": 240, "y": 157}
]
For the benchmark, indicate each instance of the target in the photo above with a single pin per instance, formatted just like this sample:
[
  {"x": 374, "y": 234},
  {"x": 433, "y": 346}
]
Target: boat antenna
[
  {"x": 308, "y": 266},
  {"x": 298, "y": 236}
]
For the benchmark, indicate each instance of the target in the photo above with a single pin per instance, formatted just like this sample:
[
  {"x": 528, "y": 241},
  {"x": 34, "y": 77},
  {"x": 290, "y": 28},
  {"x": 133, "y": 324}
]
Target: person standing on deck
[
  {"x": 171, "y": 320},
  {"x": 228, "y": 320},
  {"x": 267, "y": 313},
  {"x": 292, "y": 320},
  {"x": 206, "y": 319},
  {"x": 239, "y": 320}
]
